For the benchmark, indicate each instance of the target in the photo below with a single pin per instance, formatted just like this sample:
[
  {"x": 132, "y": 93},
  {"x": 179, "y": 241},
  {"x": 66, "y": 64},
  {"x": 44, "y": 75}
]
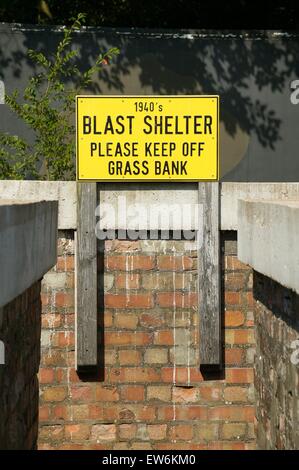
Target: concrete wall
[
  {"x": 28, "y": 233},
  {"x": 65, "y": 192},
  {"x": 62, "y": 191},
  {"x": 268, "y": 239}
]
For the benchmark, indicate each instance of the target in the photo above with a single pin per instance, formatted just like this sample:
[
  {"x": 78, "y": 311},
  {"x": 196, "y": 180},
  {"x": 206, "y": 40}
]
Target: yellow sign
[{"x": 147, "y": 138}]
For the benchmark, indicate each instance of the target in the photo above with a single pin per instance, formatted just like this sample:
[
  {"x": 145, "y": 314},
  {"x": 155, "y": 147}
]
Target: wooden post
[
  {"x": 86, "y": 277},
  {"x": 209, "y": 282}
]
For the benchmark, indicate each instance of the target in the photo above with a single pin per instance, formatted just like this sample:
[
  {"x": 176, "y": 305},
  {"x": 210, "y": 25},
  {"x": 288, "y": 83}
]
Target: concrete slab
[
  {"x": 232, "y": 192},
  {"x": 28, "y": 245},
  {"x": 268, "y": 239},
  {"x": 62, "y": 191}
]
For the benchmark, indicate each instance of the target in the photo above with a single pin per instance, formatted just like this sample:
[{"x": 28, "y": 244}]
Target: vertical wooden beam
[
  {"x": 209, "y": 281},
  {"x": 86, "y": 277}
]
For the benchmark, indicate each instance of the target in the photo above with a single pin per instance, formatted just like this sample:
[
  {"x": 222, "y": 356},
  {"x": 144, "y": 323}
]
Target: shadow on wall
[{"x": 251, "y": 73}]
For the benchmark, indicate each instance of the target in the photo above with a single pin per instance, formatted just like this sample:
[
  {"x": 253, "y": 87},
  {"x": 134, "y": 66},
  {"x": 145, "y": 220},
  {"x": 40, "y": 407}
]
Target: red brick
[
  {"x": 51, "y": 320},
  {"x": 108, "y": 319},
  {"x": 234, "y": 356},
  {"x": 122, "y": 245},
  {"x": 220, "y": 445},
  {"x": 233, "y": 430},
  {"x": 196, "y": 412},
  {"x": 212, "y": 393},
  {"x": 127, "y": 281},
  {"x": 236, "y": 394},
  {"x": 232, "y": 298},
  {"x": 53, "y": 433},
  {"x": 150, "y": 320},
  {"x": 167, "y": 413},
  {"x": 174, "y": 263},
  {"x": 129, "y": 357},
  {"x": 45, "y": 299},
  {"x": 239, "y": 336},
  {"x": 60, "y": 265},
  {"x": 103, "y": 432},
  {"x": 184, "y": 395},
  {"x": 77, "y": 432},
  {"x": 195, "y": 375},
  {"x": 105, "y": 394},
  {"x": 69, "y": 263},
  {"x": 120, "y": 338},
  {"x": 157, "y": 432},
  {"x": 235, "y": 281},
  {"x": 64, "y": 299},
  {"x": 54, "y": 393},
  {"x": 70, "y": 446},
  {"x": 132, "y": 393},
  {"x": 60, "y": 412},
  {"x": 250, "y": 299},
  {"x": 63, "y": 338},
  {"x": 44, "y": 413},
  {"x": 177, "y": 299},
  {"x": 141, "y": 375},
  {"x": 127, "y": 431},
  {"x": 129, "y": 301},
  {"x": 159, "y": 392},
  {"x": 130, "y": 263},
  {"x": 239, "y": 375},
  {"x": 181, "y": 375},
  {"x": 54, "y": 358},
  {"x": 95, "y": 411},
  {"x": 232, "y": 413},
  {"x": 164, "y": 337},
  {"x": 234, "y": 264},
  {"x": 46, "y": 375},
  {"x": 234, "y": 318},
  {"x": 78, "y": 412},
  {"x": 182, "y": 432},
  {"x": 81, "y": 393},
  {"x": 126, "y": 321},
  {"x": 174, "y": 446},
  {"x": 69, "y": 320},
  {"x": 73, "y": 375}
]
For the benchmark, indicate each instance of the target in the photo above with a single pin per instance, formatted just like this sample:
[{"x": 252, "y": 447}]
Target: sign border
[{"x": 160, "y": 180}]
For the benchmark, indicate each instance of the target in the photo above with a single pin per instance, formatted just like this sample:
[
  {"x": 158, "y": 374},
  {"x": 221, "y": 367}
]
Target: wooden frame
[
  {"x": 209, "y": 280},
  {"x": 86, "y": 277}
]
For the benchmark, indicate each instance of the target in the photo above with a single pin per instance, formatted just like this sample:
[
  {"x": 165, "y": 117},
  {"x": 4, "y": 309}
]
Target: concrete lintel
[
  {"x": 62, "y": 191},
  {"x": 268, "y": 239},
  {"x": 147, "y": 194},
  {"x": 232, "y": 192},
  {"x": 28, "y": 245}
]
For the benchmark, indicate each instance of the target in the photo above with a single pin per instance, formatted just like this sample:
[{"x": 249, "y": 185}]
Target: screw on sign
[
  {"x": 2, "y": 353},
  {"x": 2, "y": 92}
]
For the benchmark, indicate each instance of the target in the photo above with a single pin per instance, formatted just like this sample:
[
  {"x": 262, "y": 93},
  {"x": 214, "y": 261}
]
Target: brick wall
[
  {"x": 152, "y": 395},
  {"x": 20, "y": 331},
  {"x": 276, "y": 365}
]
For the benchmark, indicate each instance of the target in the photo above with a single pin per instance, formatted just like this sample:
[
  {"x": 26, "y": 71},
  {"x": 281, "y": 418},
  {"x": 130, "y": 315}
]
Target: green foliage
[{"x": 48, "y": 108}]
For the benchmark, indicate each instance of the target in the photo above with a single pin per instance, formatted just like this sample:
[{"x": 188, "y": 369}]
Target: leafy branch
[{"x": 47, "y": 108}]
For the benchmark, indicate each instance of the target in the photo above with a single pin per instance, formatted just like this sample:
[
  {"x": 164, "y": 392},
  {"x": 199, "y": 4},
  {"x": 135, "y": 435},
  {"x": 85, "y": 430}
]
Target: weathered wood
[
  {"x": 209, "y": 283},
  {"x": 86, "y": 277}
]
